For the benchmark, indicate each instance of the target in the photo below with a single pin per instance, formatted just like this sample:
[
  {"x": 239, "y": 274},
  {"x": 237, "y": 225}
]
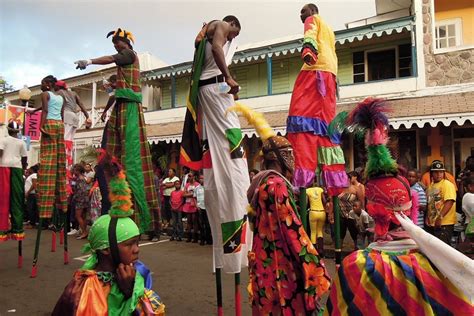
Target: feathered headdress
[
  {"x": 386, "y": 191},
  {"x": 370, "y": 120},
  {"x": 123, "y": 35}
]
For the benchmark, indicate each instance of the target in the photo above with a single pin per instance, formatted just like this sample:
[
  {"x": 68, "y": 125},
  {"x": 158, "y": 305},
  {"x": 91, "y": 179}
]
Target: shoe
[
  {"x": 82, "y": 237},
  {"x": 195, "y": 241},
  {"x": 202, "y": 243},
  {"x": 172, "y": 238},
  {"x": 155, "y": 239},
  {"x": 179, "y": 239},
  {"x": 73, "y": 232}
]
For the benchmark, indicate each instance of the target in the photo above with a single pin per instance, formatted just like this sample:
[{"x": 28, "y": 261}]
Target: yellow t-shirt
[
  {"x": 437, "y": 194},
  {"x": 315, "y": 198},
  {"x": 322, "y": 36}
]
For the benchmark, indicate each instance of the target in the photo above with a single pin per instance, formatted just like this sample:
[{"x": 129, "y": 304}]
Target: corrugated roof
[{"x": 290, "y": 45}]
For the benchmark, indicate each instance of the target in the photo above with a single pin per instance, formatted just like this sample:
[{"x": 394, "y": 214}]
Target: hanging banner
[
  {"x": 16, "y": 113},
  {"x": 32, "y": 125}
]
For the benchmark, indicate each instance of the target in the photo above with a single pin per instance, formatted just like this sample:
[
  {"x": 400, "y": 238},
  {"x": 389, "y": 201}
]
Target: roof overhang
[{"x": 291, "y": 46}]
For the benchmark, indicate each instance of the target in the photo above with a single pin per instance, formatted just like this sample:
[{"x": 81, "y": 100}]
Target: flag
[{"x": 191, "y": 144}]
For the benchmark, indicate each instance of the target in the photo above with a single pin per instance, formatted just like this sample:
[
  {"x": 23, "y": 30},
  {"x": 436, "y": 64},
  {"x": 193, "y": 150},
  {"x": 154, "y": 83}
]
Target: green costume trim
[
  {"x": 312, "y": 42},
  {"x": 133, "y": 167},
  {"x": 379, "y": 161},
  {"x": 128, "y": 94},
  {"x": 330, "y": 156},
  {"x": 17, "y": 200}
]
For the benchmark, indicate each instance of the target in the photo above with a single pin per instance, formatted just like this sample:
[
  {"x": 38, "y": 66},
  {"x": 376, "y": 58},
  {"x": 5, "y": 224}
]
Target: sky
[{"x": 42, "y": 37}]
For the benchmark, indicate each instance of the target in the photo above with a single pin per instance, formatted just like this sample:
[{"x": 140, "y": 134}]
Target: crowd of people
[
  {"x": 445, "y": 203},
  {"x": 183, "y": 200}
]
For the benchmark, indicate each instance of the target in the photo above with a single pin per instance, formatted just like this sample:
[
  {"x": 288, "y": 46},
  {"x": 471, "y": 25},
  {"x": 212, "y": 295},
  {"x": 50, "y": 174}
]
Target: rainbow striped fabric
[{"x": 372, "y": 282}]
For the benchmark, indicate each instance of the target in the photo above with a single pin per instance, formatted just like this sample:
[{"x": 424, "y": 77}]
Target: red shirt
[{"x": 176, "y": 200}]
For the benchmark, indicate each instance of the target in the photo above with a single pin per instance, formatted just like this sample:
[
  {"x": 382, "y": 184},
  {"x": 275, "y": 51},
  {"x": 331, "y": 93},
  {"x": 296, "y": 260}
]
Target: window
[
  {"x": 383, "y": 64},
  {"x": 358, "y": 61},
  {"x": 448, "y": 33}
]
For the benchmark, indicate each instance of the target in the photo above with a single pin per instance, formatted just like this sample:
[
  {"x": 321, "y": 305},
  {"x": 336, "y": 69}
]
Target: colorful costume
[
  {"x": 12, "y": 194},
  {"x": 286, "y": 274},
  {"x": 221, "y": 156},
  {"x": 126, "y": 137},
  {"x": 52, "y": 175},
  {"x": 313, "y": 107},
  {"x": 94, "y": 292},
  {"x": 405, "y": 271}
]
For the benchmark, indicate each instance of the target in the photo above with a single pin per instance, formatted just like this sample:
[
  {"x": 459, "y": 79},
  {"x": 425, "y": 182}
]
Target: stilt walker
[
  {"x": 126, "y": 131},
  {"x": 405, "y": 271},
  {"x": 52, "y": 194},
  {"x": 312, "y": 108},
  {"x": 212, "y": 141},
  {"x": 13, "y": 162}
]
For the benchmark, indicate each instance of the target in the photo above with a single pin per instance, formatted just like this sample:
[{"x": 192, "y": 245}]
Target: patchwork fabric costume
[
  {"x": 313, "y": 107},
  {"x": 287, "y": 275},
  {"x": 126, "y": 137},
  {"x": 405, "y": 271},
  {"x": 93, "y": 292}
]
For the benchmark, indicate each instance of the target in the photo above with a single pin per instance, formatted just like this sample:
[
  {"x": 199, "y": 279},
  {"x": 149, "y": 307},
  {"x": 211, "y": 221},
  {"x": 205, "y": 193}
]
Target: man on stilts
[
  {"x": 312, "y": 108},
  {"x": 221, "y": 156},
  {"x": 126, "y": 131},
  {"x": 13, "y": 162}
]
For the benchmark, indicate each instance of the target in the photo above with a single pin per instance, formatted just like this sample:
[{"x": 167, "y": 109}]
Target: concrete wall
[{"x": 453, "y": 67}]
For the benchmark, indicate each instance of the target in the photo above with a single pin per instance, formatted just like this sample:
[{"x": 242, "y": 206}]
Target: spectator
[
  {"x": 441, "y": 207},
  {"x": 413, "y": 179},
  {"x": 81, "y": 200},
  {"x": 348, "y": 196},
  {"x": 317, "y": 216},
  {"x": 30, "y": 195},
  {"x": 468, "y": 209},
  {"x": 205, "y": 231},
  {"x": 176, "y": 203},
  {"x": 167, "y": 185},
  {"x": 362, "y": 222},
  {"x": 89, "y": 174},
  {"x": 96, "y": 201},
  {"x": 190, "y": 207}
]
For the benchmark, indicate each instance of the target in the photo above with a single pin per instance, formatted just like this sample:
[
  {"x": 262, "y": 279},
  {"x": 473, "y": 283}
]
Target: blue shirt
[
  {"x": 421, "y": 200},
  {"x": 55, "y": 105}
]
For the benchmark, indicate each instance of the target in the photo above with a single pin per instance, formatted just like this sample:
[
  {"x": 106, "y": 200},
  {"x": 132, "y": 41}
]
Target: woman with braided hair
[{"x": 287, "y": 275}]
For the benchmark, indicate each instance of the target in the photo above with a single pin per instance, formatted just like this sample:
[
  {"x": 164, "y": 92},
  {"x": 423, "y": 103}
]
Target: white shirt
[
  {"x": 468, "y": 206},
  {"x": 167, "y": 191},
  {"x": 199, "y": 195},
  {"x": 13, "y": 150},
  {"x": 29, "y": 182},
  {"x": 210, "y": 68}
]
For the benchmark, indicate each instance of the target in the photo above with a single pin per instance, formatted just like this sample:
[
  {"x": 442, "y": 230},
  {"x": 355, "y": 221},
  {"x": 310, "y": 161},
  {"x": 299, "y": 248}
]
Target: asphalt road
[{"x": 182, "y": 276}]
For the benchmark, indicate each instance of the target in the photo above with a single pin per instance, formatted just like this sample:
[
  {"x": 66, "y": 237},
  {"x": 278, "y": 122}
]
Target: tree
[{"x": 5, "y": 87}]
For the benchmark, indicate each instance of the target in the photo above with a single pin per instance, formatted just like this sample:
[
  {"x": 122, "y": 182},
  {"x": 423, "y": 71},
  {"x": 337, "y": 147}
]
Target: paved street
[{"x": 182, "y": 277}]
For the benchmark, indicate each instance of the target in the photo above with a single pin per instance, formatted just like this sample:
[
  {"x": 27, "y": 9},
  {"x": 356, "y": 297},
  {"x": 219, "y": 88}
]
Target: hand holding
[
  {"x": 126, "y": 279},
  {"x": 234, "y": 86}
]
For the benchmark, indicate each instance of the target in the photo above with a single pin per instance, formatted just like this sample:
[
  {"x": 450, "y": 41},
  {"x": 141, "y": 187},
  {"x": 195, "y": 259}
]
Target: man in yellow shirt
[
  {"x": 441, "y": 193},
  {"x": 313, "y": 107}
]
